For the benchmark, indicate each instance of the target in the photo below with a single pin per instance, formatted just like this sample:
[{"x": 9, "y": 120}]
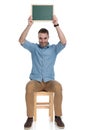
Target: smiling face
[
  {"x": 43, "y": 36},
  {"x": 43, "y": 39}
]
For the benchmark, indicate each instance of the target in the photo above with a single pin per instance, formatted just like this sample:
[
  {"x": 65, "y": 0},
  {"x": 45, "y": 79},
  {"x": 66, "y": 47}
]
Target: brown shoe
[
  {"x": 59, "y": 122},
  {"x": 28, "y": 122}
]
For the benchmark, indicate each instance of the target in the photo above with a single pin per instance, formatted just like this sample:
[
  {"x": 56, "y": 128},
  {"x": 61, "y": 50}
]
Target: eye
[{"x": 40, "y": 38}]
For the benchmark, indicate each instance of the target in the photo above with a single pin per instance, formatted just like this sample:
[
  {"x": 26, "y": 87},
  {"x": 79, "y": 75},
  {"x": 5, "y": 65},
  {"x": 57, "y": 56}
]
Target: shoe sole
[{"x": 59, "y": 126}]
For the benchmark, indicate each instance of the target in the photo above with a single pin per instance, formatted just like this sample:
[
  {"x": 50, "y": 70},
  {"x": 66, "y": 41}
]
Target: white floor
[{"x": 43, "y": 121}]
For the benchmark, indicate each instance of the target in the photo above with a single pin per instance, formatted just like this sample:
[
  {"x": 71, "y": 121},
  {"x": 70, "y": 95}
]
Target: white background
[{"x": 15, "y": 61}]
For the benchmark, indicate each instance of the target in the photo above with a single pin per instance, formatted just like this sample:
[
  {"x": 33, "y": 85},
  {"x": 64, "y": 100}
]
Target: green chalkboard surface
[{"x": 42, "y": 12}]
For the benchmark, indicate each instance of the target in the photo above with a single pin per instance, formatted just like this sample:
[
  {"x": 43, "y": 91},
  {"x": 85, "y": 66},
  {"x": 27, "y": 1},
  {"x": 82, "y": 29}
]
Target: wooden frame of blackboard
[{"x": 39, "y": 12}]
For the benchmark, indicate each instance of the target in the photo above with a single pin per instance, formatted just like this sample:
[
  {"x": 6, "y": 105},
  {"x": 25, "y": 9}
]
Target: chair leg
[{"x": 51, "y": 106}]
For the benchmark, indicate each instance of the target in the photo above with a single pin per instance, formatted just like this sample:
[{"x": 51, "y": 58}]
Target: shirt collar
[{"x": 44, "y": 47}]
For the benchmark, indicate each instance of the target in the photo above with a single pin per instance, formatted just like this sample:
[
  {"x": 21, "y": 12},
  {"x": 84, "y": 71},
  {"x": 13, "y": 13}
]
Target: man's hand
[
  {"x": 55, "y": 20},
  {"x": 26, "y": 30},
  {"x": 30, "y": 21}
]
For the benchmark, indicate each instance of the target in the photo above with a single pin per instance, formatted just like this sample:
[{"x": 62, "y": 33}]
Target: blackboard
[{"x": 42, "y": 12}]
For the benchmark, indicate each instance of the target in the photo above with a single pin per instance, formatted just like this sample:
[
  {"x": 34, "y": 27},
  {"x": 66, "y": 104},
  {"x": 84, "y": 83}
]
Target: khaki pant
[{"x": 51, "y": 86}]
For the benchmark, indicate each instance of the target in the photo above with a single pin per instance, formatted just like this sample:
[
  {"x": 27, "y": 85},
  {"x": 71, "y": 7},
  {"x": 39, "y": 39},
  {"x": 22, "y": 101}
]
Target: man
[{"x": 42, "y": 74}]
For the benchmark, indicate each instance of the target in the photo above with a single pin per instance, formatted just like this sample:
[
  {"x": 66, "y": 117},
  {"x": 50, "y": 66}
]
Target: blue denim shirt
[{"x": 43, "y": 60}]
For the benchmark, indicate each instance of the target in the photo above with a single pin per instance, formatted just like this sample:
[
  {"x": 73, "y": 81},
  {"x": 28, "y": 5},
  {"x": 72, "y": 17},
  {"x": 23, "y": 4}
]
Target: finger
[
  {"x": 30, "y": 17},
  {"x": 54, "y": 16}
]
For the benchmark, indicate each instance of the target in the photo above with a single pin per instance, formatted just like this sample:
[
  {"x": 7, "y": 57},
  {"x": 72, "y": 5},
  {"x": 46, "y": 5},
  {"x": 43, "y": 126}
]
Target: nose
[{"x": 42, "y": 40}]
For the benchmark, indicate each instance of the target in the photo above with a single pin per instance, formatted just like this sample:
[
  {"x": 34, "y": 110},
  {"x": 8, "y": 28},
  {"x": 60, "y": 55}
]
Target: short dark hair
[{"x": 43, "y": 30}]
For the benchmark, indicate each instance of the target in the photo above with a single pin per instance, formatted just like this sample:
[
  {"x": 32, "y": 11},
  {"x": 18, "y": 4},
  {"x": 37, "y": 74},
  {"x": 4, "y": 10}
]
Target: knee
[
  {"x": 29, "y": 87},
  {"x": 58, "y": 87}
]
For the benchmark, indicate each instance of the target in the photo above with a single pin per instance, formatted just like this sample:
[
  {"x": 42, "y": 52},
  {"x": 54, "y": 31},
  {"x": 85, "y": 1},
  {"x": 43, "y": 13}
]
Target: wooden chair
[{"x": 43, "y": 105}]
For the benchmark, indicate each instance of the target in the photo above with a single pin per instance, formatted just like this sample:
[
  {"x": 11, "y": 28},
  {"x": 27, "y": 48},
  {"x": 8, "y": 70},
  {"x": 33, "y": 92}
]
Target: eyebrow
[{"x": 41, "y": 37}]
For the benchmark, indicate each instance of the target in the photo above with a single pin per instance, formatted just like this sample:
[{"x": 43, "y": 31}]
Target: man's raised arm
[
  {"x": 59, "y": 31},
  {"x": 26, "y": 30}
]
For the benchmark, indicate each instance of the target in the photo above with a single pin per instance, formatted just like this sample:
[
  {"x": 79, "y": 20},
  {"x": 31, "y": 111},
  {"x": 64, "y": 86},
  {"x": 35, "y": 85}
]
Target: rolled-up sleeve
[
  {"x": 28, "y": 45},
  {"x": 59, "y": 47}
]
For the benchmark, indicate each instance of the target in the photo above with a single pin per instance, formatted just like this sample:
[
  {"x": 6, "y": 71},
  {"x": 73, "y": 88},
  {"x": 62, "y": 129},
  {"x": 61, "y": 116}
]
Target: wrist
[
  {"x": 55, "y": 25},
  {"x": 28, "y": 26}
]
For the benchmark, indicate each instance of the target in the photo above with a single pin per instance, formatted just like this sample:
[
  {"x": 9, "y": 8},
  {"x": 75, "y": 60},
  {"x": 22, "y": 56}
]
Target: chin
[{"x": 43, "y": 45}]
